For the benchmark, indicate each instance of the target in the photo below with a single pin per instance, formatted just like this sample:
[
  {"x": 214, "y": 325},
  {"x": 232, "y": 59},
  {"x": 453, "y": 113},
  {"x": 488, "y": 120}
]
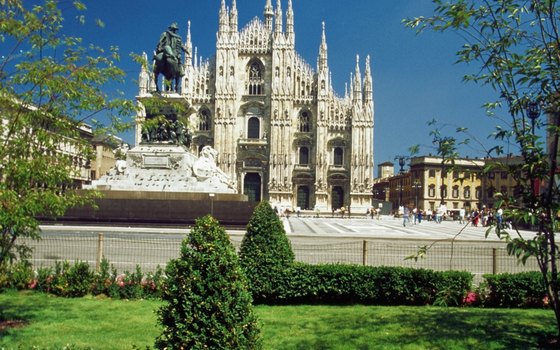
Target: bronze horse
[{"x": 167, "y": 64}]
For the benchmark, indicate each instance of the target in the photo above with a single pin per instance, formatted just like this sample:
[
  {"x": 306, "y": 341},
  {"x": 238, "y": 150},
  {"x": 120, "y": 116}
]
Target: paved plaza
[{"x": 386, "y": 227}]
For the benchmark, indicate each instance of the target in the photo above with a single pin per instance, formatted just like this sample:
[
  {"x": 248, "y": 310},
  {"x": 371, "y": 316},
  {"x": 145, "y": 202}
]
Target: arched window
[
  {"x": 455, "y": 191},
  {"x": 467, "y": 192},
  {"x": 304, "y": 122},
  {"x": 204, "y": 120},
  {"x": 253, "y": 128},
  {"x": 256, "y": 78},
  {"x": 338, "y": 156},
  {"x": 444, "y": 191},
  {"x": 303, "y": 156},
  {"x": 431, "y": 191}
]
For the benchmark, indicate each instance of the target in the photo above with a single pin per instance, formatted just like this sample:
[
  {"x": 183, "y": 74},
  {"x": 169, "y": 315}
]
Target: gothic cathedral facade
[{"x": 282, "y": 133}]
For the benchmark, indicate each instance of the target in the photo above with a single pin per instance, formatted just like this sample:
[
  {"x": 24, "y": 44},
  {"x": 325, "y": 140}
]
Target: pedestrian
[
  {"x": 499, "y": 217},
  {"x": 406, "y": 214},
  {"x": 462, "y": 216}
]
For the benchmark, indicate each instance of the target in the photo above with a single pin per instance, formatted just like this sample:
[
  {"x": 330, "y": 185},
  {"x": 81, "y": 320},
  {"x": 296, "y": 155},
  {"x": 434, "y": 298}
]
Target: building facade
[
  {"x": 430, "y": 182},
  {"x": 282, "y": 133}
]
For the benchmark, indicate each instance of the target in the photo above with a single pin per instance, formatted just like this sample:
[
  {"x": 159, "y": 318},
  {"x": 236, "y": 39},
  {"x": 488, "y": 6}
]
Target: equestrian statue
[{"x": 167, "y": 59}]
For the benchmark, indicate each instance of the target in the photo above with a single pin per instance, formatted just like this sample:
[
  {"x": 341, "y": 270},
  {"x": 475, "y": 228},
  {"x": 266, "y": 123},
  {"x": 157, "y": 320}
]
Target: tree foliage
[
  {"x": 51, "y": 84},
  {"x": 266, "y": 253},
  {"x": 207, "y": 304},
  {"x": 514, "y": 47}
]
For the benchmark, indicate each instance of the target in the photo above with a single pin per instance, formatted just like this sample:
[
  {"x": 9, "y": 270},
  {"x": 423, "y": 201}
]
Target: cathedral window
[
  {"x": 304, "y": 122},
  {"x": 256, "y": 79},
  {"x": 253, "y": 128},
  {"x": 304, "y": 156},
  {"x": 338, "y": 156},
  {"x": 204, "y": 121}
]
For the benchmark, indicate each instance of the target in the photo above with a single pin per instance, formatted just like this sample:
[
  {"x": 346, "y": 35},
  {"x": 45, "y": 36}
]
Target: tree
[
  {"x": 265, "y": 253},
  {"x": 514, "y": 47},
  {"x": 207, "y": 303},
  {"x": 50, "y": 86}
]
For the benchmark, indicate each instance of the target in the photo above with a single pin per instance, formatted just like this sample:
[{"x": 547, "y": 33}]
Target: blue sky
[{"x": 415, "y": 77}]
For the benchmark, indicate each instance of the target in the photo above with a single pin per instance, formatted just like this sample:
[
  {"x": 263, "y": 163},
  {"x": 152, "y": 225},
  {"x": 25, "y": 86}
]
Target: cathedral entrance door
[
  {"x": 252, "y": 186},
  {"x": 303, "y": 197},
  {"x": 337, "y": 197}
]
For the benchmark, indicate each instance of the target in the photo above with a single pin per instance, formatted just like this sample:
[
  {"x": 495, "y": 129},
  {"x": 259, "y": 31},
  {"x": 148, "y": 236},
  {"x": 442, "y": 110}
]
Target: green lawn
[{"x": 101, "y": 323}]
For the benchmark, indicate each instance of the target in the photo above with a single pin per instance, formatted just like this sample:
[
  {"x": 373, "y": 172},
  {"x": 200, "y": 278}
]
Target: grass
[{"x": 101, "y": 323}]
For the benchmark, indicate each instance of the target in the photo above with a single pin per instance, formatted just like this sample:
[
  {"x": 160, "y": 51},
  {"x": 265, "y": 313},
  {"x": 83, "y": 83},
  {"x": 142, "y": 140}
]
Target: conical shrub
[
  {"x": 266, "y": 255},
  {"x": 206, "y": 301}
]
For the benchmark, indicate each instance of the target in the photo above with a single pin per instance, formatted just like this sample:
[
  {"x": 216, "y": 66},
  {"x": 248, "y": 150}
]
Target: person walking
[{"x": 406, "y": 214}]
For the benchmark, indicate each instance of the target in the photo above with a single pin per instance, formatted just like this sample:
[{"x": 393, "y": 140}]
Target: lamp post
[
  {"x": 416, "y": 185},
  {"x": 402, "y": 162},
  {"x": 533, "y": 112}
]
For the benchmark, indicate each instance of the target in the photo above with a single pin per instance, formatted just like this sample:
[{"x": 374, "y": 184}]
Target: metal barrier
[{"x": 149, "y": 253}]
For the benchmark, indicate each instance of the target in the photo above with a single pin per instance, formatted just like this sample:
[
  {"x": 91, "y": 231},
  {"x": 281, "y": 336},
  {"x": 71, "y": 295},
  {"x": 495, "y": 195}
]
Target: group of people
[{"x": 485, "y": 217}]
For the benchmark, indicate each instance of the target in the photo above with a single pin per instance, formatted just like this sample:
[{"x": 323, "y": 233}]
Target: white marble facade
[{"x": 281, "y": 132}]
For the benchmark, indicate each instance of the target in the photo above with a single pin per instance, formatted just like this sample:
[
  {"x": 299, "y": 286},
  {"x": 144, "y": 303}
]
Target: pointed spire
[
  {"x": 233, "y": 19},
  {"x": 323, "y": 63},
  {"x": 224, "y": 20},
  {"x": 357, "y": 81},
  {"x": 268, "y": 15},
  {"x": 278, "y": 17},
  {"x": 368, "y": 83},
  {"x": 290, "y": 18},
  {"x": 188, "y": 44}
]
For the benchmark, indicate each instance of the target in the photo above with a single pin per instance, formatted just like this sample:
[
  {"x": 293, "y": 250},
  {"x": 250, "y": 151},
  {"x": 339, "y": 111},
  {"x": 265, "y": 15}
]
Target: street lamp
[
  {"x": 533, "y": 112},
  {"x": 416, "y": 185},
  {"x": 402, "y": 162},
  {"x": 399, "y": 189}
]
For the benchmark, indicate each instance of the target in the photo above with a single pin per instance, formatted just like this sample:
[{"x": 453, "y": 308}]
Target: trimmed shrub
[
  {"x": 266, "y": 254},
  {"x": 525, "y": 289},
  {"x": 207, "y": 303},
  {"x": 350, "y": 284}
]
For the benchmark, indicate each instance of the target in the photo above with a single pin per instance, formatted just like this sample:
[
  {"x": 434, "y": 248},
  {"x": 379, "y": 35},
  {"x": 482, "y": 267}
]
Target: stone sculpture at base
[{"x": 166, "y": 168}]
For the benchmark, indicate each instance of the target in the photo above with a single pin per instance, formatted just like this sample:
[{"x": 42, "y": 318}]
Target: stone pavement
[{"x": 386, "y": 227}]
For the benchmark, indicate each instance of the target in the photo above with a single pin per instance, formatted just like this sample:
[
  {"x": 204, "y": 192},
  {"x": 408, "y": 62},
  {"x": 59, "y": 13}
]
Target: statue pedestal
[
  {"x": 164, "y": 168},
  {"x": 165, "y": 184}
]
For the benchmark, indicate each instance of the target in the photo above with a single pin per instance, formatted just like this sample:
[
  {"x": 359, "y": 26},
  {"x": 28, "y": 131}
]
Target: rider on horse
[{"x": 168, "y": 51}]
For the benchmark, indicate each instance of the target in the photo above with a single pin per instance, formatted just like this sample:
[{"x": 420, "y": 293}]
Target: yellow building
[
  {"x": 105, "y": 156},
  {"x": 430, "y": 182}
]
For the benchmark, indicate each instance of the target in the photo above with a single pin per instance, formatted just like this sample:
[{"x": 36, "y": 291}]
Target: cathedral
[{"x": 281, "y": 132}]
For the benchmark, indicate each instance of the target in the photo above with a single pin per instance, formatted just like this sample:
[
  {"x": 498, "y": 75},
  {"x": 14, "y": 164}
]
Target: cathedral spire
[
  {"x": 278, "y": 17},
  {"x": 368, "y": 83},
  {"x": 290, "y": 18},
  {"x": 188, "y": 45},
  {"x": 233, "y": 16},
  {"x": 357, "y": 95},
  {"x": 323, "y": 63},
  {"x": 224, "y": 20},
  {"x": 268, "y": 14}
]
